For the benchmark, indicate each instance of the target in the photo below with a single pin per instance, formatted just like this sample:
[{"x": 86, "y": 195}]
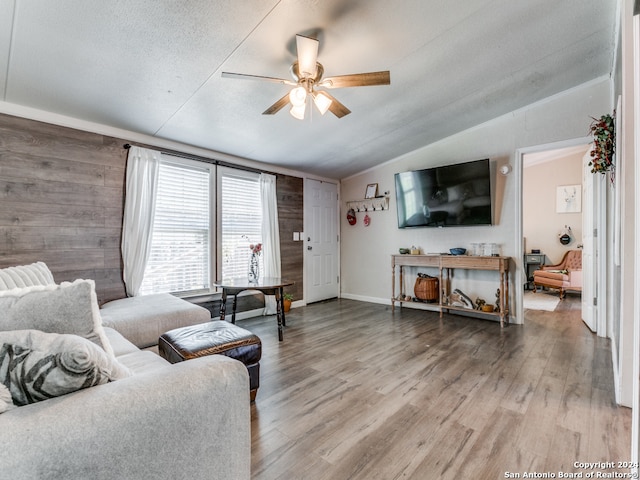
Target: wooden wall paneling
[
  {"x": 109, "y": 285},
  {"x": 113, "y": 217},
  {"x": 114, "y": 177},
  {"x": 59, "y": 238},
  {"x": 61, "y": 202},
  {"x": 290, "y": 216},
  {"x": 25, "y": 190},
  {"x": 16, "y": 165},
  {"x": 28, "y": 137},
  {"x": 58, "y": 261},
  {"x": 50, "y": 215}
]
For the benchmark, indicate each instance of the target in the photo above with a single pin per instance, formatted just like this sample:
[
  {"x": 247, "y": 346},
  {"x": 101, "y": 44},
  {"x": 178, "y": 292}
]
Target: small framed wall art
[
  {"x": 569, "y": 199},
  {"x": 372, "y": 191}
]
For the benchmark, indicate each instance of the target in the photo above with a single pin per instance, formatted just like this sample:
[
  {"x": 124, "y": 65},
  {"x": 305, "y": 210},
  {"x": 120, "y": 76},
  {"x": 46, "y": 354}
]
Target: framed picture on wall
[
  {"x": 569, "y": 199},
  {"x": 372, "y": 190}
]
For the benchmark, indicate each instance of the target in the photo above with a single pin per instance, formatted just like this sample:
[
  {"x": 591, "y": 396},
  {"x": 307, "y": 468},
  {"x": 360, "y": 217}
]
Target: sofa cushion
[
  {"x": 66, "y": 308},
  {"x": 119, "y": 344},
  {"x": 36, "y": 366},
  {"x": 143, "y": 319},
  {"x": 143, "y": 361},
  {"x": 25, "y": 276},
  {"x": 558, "y": 275}
]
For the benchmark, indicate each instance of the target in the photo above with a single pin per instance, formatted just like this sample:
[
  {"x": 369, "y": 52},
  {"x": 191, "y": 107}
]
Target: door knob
[{"x": 309, "y": 248}]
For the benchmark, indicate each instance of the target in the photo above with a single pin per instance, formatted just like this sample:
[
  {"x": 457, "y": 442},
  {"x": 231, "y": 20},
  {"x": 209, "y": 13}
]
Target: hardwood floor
[{"x": 355, "y": 392}]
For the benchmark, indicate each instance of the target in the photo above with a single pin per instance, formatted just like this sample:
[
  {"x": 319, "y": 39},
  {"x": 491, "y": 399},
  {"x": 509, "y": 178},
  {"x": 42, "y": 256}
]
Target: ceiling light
[
  {"x": 297, "y": 96},
  {"x": 322, "y": 102},
  {"x": 298, "y": 111}
]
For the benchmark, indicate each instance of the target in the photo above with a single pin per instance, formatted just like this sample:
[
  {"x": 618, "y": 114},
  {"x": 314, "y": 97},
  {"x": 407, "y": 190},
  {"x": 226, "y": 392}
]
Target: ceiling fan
[{"x": 307, "y": 78}]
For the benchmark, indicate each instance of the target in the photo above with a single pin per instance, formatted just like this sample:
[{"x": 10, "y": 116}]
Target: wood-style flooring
[{"x": 356, "y": 392}]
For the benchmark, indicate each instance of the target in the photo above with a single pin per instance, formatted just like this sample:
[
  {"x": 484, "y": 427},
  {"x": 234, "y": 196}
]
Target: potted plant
[
  {"x": 286, "y": 301},
  {"x": 603, "y": 131}
]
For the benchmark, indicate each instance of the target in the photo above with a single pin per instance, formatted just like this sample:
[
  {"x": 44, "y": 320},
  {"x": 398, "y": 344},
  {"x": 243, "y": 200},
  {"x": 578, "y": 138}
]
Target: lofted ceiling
[{"x": 154, "y": 67}]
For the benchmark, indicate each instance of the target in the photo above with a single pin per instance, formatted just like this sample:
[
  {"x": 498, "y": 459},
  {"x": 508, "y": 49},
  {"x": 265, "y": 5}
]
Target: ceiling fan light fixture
[
  {"x": 307, "y": 74},
  {"x": 322, "y": 102},
  {"x": 298, "y": 96},
  {"x": 297, "y": 111},
  {"x": 307, "y": 49}
]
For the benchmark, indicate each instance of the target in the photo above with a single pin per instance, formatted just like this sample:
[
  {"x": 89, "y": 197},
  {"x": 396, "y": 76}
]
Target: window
[
  {"x": 240, "y": 220},
  {"x": 180, "y": 256}
]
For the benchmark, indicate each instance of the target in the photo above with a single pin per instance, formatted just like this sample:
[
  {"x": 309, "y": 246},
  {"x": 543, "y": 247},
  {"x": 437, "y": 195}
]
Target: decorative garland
[{"x": 603, "y": 131}]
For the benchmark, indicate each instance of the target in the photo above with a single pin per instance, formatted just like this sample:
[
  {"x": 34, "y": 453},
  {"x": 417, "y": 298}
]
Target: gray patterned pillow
[
  {"x": 35, "y": 365},
  {"x": 5, "y": 399}
]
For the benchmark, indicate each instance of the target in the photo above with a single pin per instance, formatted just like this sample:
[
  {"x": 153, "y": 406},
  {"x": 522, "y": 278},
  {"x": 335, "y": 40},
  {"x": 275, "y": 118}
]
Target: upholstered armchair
[{"x": 566, "y": 275}]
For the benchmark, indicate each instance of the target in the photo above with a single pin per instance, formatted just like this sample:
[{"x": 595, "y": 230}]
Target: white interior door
[
  {"x": 589, "y": 312},
  {"x": 321, "y": 240}
]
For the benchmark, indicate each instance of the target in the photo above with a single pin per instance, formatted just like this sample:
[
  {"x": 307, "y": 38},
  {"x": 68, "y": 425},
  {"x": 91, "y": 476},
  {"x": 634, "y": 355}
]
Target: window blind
[
  {"x": 241, "y": 221},
  {"x": 180, "y": 247}
]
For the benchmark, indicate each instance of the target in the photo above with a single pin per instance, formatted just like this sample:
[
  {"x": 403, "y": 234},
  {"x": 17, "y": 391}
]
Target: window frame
[
  {"x": 175, "y": 161},
  {"x": 216, "y": 174},
  {"x": 220, "y": 173}
]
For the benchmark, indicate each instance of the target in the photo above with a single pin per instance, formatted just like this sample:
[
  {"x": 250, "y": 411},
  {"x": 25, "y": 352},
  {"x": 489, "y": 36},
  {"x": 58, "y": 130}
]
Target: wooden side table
[
  {"x": 266, "y": 285},
  {"x": 532, "y": 259}
]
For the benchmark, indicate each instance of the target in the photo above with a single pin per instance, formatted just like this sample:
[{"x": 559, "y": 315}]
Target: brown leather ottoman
[{"x": 211, "y": 338}]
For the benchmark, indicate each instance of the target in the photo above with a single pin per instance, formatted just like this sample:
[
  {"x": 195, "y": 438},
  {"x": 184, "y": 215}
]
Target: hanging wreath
[{"x": 603, "y": 131}]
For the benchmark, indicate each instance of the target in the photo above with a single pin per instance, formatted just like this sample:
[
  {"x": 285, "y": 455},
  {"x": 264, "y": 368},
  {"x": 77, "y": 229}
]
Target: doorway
[
  {"x": 321, "y": 240},
  {"x": 551, "y": 208}
]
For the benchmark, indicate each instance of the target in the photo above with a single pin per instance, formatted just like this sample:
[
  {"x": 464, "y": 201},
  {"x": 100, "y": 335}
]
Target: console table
[{"x": 446, "y": 264}]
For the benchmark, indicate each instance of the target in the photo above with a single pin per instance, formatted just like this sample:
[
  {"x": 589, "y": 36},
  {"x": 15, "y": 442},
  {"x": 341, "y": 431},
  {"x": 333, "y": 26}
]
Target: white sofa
[{"x": 186, "y": 420}]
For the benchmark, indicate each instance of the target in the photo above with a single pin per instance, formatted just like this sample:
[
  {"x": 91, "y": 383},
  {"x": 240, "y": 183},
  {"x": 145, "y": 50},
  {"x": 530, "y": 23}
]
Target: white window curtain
[
  {"x": 270, "y": 235},
  {"x": 137, "y": 225}
]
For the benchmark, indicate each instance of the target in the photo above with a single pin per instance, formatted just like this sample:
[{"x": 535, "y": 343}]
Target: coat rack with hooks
[{"x": 369, "y": 205}]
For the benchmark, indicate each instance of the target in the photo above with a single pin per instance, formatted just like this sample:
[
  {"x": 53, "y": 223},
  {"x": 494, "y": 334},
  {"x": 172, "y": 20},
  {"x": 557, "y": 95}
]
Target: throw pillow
[
  {"x": 66, "y": 308},
  {"x": 6, "y": 403},
  {"x": 35, "y": 365},
  {"x": 25, "y": 276}
]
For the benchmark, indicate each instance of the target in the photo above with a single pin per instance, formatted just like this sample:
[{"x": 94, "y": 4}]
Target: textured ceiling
[{"x": 154, "y": 67}]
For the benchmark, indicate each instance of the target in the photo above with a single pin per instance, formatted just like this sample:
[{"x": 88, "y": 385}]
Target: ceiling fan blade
[
  {"x": 337, "y": 108},
  {"x": 276, "y": 107},
  {"x": 307, "y": 55},
  {"x": 357, "y": 80},
  {"x": 243, "y": 76}
]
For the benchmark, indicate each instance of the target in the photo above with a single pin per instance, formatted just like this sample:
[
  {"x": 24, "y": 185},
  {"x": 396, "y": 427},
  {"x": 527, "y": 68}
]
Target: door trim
[
  {"x": 518, "y": 172},
  {"x": 305, "y": 264}
]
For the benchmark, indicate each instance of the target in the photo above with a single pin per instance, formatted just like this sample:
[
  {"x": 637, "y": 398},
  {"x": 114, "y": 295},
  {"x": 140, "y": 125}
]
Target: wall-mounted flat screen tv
[{"x": 446, "y": 196}]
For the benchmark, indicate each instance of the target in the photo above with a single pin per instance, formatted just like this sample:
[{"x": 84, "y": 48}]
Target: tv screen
[{"x": 445, "y": 196}]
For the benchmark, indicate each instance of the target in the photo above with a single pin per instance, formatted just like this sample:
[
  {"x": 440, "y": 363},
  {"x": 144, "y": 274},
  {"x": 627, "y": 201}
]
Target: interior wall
[
  {"x": 62, "y": 202},
  {"x": 542, "y": 223},
  {"x": 290, "y": 192},
  {"x": 62, "y": 193},
  {"x": 365, "y": 251},
  {"x": 626, "y": 81}
]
